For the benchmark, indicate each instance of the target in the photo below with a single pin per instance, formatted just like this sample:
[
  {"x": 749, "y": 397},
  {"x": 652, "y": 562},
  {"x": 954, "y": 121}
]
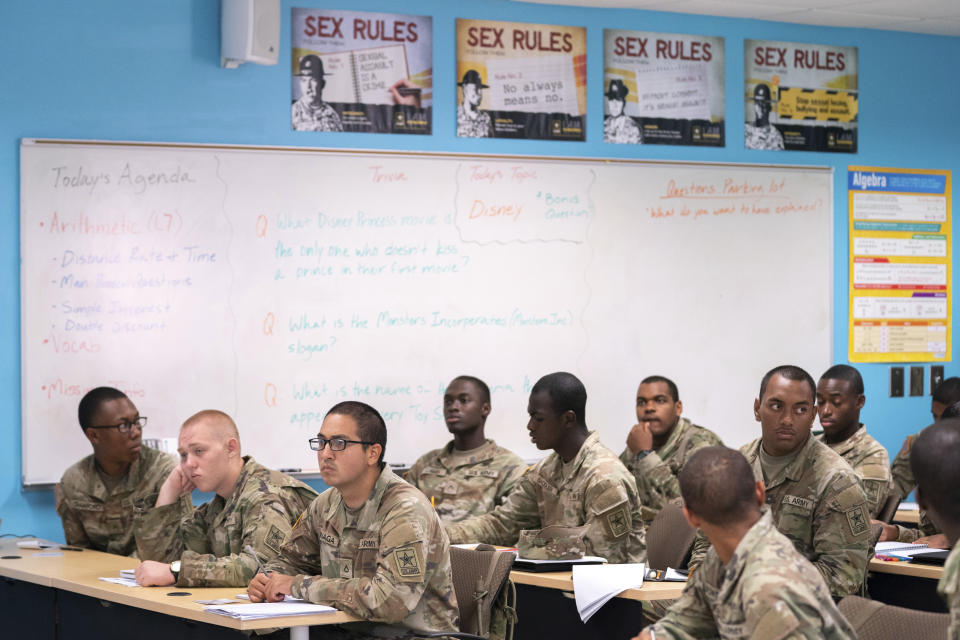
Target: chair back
[
  {"x": 874, "y": 620},
  {"x": 889, "y": 507},
  {"x": 478, "y": 575},
  {"x": 669, "y": 538}
]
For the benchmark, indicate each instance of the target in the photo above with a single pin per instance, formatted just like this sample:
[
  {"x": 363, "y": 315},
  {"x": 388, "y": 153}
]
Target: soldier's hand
[
  {"x": 643, "y": 635},
  {"x": 176, "y": 484},
  {"x": 153, "y": 574},
  {"x": 640, "y": 438},
  {"x": 936, "y": 541},
  {"x": 890, "y": 532},
  {"x": 272, "y": 588}
]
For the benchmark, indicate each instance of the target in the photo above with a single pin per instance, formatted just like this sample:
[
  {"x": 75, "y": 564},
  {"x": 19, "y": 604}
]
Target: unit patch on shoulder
[
  {"x": 274, "y": 539},
  {"x": 408, "y": 563},
  {"x": 858, "y": 520},
  {"x": 618, "y": 521}
]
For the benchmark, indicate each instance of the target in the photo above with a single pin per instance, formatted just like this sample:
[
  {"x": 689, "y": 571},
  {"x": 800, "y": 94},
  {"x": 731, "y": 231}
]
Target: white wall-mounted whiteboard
[{"x": 272, "y": 283}]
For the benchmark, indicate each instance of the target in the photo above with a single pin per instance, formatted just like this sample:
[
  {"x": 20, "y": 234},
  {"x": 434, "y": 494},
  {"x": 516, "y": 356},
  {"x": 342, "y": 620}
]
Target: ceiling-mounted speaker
[{"x": 249, "y": 32}]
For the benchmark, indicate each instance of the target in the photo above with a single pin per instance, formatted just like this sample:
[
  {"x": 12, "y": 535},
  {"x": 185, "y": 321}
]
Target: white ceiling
[{"x": 937, "y": 17}]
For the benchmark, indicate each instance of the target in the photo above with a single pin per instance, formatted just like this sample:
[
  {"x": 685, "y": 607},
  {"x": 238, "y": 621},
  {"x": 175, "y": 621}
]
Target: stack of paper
[
  {"x": 255, "y": 611},
  {"x": 594, "y": 585},
  {"x": 898, "y": 549},
  {"x": 36, "y": 543}
]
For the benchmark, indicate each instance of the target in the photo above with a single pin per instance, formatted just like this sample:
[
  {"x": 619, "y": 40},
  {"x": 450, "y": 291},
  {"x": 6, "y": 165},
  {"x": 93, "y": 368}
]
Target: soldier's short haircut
[
  {"x": 845, "y": 372},
  {"x": 953, "y": 411},
  {"x": 220, "y": 421},
  {"x": 948, "y": 391},
  {"x": 790, "y": 372},
  {"x": 934, "y": 462},
  {"x": 717, "y": 485},
  {"x": 674, "y": 392},
  {"x": 566, "y": 392},
  {"x": 91, "y": 402},
  {"x": 370, "y": 424},
  {"x": 478, "y": 383}
]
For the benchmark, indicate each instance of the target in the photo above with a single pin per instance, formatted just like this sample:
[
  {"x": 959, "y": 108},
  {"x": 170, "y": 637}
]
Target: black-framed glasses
[
  {"x": 336, "y": 444},
  {"x": 125, "y": 426}
]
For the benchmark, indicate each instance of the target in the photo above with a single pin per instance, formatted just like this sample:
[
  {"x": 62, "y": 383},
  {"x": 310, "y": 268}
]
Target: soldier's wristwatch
[
  {"x": 643, "y": 454},
  {"x": 175, "y": 570}
]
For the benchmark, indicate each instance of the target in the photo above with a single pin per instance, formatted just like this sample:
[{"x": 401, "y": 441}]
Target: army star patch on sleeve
[
  {"x": 408, "y": 564},
  {"x": 858, "y": 520},
  {"x": 274, "y": 539},
  {"x": 618, "y": 521}
]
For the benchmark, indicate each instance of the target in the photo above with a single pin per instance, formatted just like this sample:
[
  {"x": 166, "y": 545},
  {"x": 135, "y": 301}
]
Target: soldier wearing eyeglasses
[
  {"x": 220, "y": 543},
  {"x": 371, "y": 545},
  {"x": 97, "y": 496}
]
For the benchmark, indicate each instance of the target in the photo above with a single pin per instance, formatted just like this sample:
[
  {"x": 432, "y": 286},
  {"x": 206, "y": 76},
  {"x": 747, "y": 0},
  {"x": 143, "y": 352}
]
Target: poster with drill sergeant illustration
[
  {"x": 800, "y": 97},
  {"x": 663, "y": 88},
  {"x": 361, "y": 71},
  {"x": 518, "y": 80}
]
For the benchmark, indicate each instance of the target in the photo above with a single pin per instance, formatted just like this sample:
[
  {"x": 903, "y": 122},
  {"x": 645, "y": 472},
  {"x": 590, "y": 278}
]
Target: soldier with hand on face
[{"x": 223, "y": 542}]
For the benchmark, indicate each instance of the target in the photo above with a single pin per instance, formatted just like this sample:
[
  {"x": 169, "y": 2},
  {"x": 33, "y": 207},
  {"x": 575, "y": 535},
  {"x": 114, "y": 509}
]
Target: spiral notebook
[{"x": 364, "y": 75}]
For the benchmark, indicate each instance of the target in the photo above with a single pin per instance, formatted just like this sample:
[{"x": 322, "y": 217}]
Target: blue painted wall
[{"x": 121, "y": 70}]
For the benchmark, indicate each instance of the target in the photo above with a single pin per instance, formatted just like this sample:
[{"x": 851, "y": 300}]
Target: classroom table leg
[{"x": 299, "y": 633}]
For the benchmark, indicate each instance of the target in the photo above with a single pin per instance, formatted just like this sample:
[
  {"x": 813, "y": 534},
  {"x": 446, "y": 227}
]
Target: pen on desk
[
  {"x": 66, "y": 548},
  {"x": 290, "y": 470},
  {"x": 257, "y": 558}
]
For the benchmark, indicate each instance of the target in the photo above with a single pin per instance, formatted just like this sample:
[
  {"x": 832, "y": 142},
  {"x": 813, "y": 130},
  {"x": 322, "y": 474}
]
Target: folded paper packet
[{"x": 552, "y": 543}]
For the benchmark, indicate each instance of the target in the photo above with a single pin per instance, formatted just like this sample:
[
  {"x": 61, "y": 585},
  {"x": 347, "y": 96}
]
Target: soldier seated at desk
[
  {"x": 935, "y": 461},
  {"x": 371, "y": 544},
  {"x": 580, "y": 483},
  {"x": 254, "y": 509},
  {"x": 753, "y": 583},
  {"x": 814, "y": 496},
  {"x": 661, "y": 443},
  {"x": 470, "y": 475},
  {"x": 97, "y": 496}
]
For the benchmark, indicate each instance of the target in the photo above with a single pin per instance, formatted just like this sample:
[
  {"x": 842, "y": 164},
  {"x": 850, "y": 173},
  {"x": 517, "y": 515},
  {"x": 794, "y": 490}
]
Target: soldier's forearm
[{"x": 371, "y": 599}]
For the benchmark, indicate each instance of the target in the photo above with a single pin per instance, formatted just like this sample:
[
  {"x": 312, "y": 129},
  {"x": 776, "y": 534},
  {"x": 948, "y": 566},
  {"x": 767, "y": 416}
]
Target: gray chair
[
  {"x": 479, "y": 577},
  {"x": 669, "y": 538},
  {"x": 874, "y": 620}
]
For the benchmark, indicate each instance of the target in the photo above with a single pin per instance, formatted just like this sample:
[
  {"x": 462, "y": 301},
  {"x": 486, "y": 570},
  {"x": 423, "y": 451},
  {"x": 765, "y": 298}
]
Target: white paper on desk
[
  {"x": 127, "y": 582},
  {"x": 595, "y": 584},
  {"x": 36, "y": 543},
  {"x": 584, "y": 560},
  {"x": 908, "y": 506},
  {"x": 256, "y": 611},
  {"x": 899, "y": 548}
]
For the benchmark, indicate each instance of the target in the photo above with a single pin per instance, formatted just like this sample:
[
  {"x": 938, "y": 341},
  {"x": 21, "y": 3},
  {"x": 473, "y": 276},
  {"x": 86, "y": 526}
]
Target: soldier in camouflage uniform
[
  {"x": 471, "y": 122},
  {"x": 310, "y": 112},
  {"x": 470, "y": 475},
  {"x": 580, "y": 483},
  {"x": 371, "y": 545},
  {"x": 208, "y": 546},
  {"x": 942, "y": 405},
  {"x": 97, "y": 496},
  {"x": 934, "y": 463},
  {"x": 753, "y": 582},
  {"x": 660, "y": 444},
  {"x": 814, "y": 496},
  {"x": 839, "y": 401}
]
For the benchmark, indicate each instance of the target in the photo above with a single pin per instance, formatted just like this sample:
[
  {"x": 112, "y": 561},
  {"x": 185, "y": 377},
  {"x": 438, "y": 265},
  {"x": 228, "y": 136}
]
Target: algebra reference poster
[
  {"x": 663, "y": 88},
  {"x": 361, "y": 71},
  {"x": 518, "y": 80},
  {"x": 800, "y": 97}
]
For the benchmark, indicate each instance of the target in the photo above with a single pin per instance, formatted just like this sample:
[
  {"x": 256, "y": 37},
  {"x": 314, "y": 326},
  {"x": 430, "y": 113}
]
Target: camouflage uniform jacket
[
  {"x": 465, "y": 486},
  {"x": 210, "y": 539},
  {"x": 949, "y": 590},
  {"x": 904, "y": 483},
  {"x": 818, "y": 504},
  {"x": 306, "y": 117},
  {"x": 477, "y": 127},
  {"x": 621, "y": 130},
  {"x": 871, "y": 463},
  {"x": 767, "y": 590},
  {"x": 388, "y": 562},
  {"x": 768, "y": 137},
  {"x": 656, "y": 473},
  {"x": 97, "y": 518},
  {"x": 600, "y": 492}
]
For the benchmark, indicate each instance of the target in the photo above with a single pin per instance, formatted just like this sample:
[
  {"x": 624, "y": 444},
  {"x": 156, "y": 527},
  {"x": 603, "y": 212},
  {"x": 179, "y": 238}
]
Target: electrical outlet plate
[
  {"x": 916, "y": 381},
  {"x": 896, "y": 382},
  {"x": 936, "y": 376}
]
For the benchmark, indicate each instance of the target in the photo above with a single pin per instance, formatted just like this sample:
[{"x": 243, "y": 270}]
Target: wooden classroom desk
[
  {"x": 80, "y": 571},
  {"x": 563, "y": 580},
  {"x": 908, "y": 516},
  {"x": 907, "y": 569},
  {"x": 906, "y": 584}
]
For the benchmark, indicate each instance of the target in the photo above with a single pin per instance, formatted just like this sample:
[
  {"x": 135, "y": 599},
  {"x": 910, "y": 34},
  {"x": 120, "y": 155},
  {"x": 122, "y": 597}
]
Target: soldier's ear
[
  {"x": 756, "y": 409},
  {"x": 93, "y": 435},
  {"x": 691, "y": 518},
  {"x": 485, "y": 409}
]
